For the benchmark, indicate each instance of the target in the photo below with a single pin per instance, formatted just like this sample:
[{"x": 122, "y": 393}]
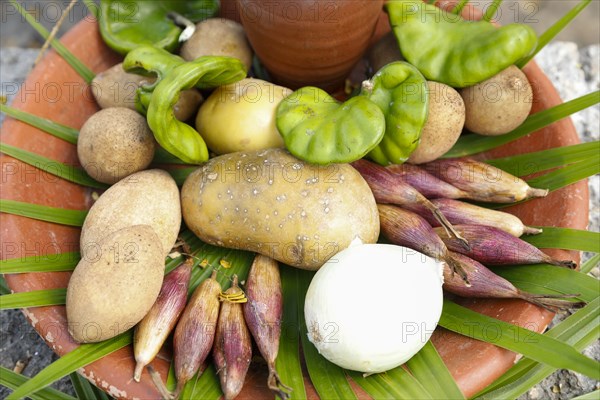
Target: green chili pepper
[
  {"x": 318, "y": 129},
  {"x": 448, "y": 49},
  {"x": 400, "y": 91},
  {"x": 126, "y": 24},
  {"x": 176, "y": 137},
  {"x": 149, "y": 61}
]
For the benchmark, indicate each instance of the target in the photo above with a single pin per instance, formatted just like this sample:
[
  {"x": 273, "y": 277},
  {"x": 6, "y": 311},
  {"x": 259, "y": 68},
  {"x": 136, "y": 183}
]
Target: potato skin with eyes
[
  {"x": 269, "y": 202},
  {"x": 114, "y": 286}
]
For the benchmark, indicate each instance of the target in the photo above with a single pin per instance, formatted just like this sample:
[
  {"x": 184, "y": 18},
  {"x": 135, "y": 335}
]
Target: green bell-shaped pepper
[
  {"x": 451, "y": 50},
  {"x": 400, "y": 91},
  {"x": 176, "y": 137},
  {"x": 318, "y": 129},
  {"x": 126, "y": 24}
]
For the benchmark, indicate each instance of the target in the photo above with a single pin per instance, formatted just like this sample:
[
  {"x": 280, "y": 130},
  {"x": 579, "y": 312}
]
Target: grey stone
[{"x": 15, "y": 64}]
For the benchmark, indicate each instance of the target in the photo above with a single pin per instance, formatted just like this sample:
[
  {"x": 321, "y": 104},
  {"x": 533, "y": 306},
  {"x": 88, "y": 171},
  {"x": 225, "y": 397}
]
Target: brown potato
[
  {"x": 116, "y": 88},
  {"x": 445, "y": 121},
  {"x": 114, "y": 286},
  {"x": 218, "y": 37},
  {"x": 148, "y": 197},
  {"x": 498, "y": 105},
  {"x": 114, "y": 143},
  {"x": 270, "y": 202}
]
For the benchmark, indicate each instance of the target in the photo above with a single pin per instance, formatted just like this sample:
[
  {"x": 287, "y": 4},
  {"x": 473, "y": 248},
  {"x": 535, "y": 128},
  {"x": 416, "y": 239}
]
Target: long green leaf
[
  {"x": 395, "y": 384},
  {"x": 473, "y": 144},
  {"x": 590, "y": 264},
  {"x": 567, "y": 175},
  {"x": 532, "y": 345},
  {"x": 459, "y": 6},
  {"x": 180, "y": 174},
  {"x": 12, "y": 380},
  {"x": 549, "y": 279},
  {"x": 205, "y": 387},
  {"x": 491, "y": 9},
  {"x": 554, "y": 30},
  {"x": 288, "y": 360},
  {"x": 595, "y": 395},
  {"x": 35, "y": 298},
  {"x": 4, "y": 289},
  {"x": 530, "y": 163},
  {"x": 578, "y": 330},
  {"x": 328, "y": 379},
  {"x": 60, "y": 48},
  {"x": 565, "y": 238},
  {"x": 80, "y": 357},
  {"x": 43, "y": 213},
  {"x": 70, "y": 173},
  {"x": 83, "y": 387},
  {"x": 46, "y": 263},
  {"x": 161, "y": 156},
  {"x": 53, "y": 128},
  {"x": 429, "y": 369}
]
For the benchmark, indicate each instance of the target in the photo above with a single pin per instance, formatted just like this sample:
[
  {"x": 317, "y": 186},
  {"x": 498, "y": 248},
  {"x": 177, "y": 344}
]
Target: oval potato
[
  {"x": 270, "y": 202},
  {"x": 148, "y": 197},
  {"x": 115, "y": 284}
]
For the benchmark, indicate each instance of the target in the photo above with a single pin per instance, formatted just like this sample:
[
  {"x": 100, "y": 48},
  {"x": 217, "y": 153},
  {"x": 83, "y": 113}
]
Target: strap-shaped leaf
[
  {"x": 80, "y": 357},
  {"x": 530, "y": 163},
  {"x": 393, "y": 384},
  {"x": 532, "y": 345},
  {"x": 567, "y": 175},
  {"x": 590, "y": 264},
  {"x": 565, "y": 238},
  {"x": 43, "y": 213},
  {"x": 53, "y": 128},
  {"x": 46, "y": 263},
  {"x": 60, "y": 48},
  {"x": 578, "y": 330},
  {"x": 473, "y": 144},
  {"x": 35, "y": 298},
  {"x": 549, "y": 279},
  {"x": 288, "y": 359},
  {"x": 67, "y": 172},
  {"x": 12, "y": 380}
]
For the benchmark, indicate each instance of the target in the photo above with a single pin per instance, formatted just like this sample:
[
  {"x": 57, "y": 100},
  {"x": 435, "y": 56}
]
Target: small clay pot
[{"x": 309, "y": 43}]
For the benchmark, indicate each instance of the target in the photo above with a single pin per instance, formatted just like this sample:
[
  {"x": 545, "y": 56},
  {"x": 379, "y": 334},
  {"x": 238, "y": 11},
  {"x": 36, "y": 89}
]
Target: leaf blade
[
  {"x": 35, "y": 298},
  {"x": 43, "y": 213},
  {"x": 12, "y": 380},
  {"x": 542, "y": 348},
  {"x": 565, "y": 238},
  {"x": 53, "y": 128},
  {"x": 473, "y": 143},
  {"x": 80, "y": 357},
  {"x": 70, "y": 173},
  {"x": 46, "y": 263}
]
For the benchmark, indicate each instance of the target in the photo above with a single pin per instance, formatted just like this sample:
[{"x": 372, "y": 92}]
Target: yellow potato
[
  {"x": 270, "y": 202},
  {"x": 241, "y": 117},
  {"x": 115, "y": 284},
  {"x": 148, "y": 197}
]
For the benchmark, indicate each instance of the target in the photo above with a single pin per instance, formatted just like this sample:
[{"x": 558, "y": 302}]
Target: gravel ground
[{"x": 575, "y": 71}]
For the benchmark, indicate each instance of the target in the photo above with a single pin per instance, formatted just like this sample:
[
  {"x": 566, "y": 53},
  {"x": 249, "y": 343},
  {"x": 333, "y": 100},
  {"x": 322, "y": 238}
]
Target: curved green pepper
[
  {"x": 400, "y": 91},
  {"x": 127, "y": 24},
  {"x": 176, "y": 137},
  {"x": 448, "y": 49},
  {"x": 149, "y": 61},
  {"x": 318, "y": 129}
]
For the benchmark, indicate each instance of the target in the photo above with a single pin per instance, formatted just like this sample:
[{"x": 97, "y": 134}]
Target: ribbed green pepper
[
  {"x": 126, "y": 24},
  {"x": 318, "y": 129},
  {"x": 176, "y": 137},
  {"x": 149, "y": 61},
  {"x": 400, "y": 91},
  {"x": 451, "y": 50}
]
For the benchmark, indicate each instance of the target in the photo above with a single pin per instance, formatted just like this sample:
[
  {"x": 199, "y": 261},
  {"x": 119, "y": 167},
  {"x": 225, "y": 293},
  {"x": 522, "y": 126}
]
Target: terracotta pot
[
  {"x": 309, "y": 43},
  {"x": 53, "y": 90}
]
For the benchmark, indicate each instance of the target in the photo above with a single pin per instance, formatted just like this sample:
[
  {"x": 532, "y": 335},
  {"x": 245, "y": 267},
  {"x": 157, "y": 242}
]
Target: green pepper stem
[
  {"x": 367, "y": 86},
  {"x": 459, "y": 7},
  {"x": 491, "y": 10}
]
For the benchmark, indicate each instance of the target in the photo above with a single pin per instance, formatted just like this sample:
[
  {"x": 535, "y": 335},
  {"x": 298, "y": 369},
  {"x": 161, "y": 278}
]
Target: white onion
[{"x": 372, "y": 307}]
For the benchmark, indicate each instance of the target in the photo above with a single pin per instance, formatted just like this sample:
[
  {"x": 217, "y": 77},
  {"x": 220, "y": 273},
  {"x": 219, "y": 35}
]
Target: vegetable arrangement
[{"x": 308, "y": 209}]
